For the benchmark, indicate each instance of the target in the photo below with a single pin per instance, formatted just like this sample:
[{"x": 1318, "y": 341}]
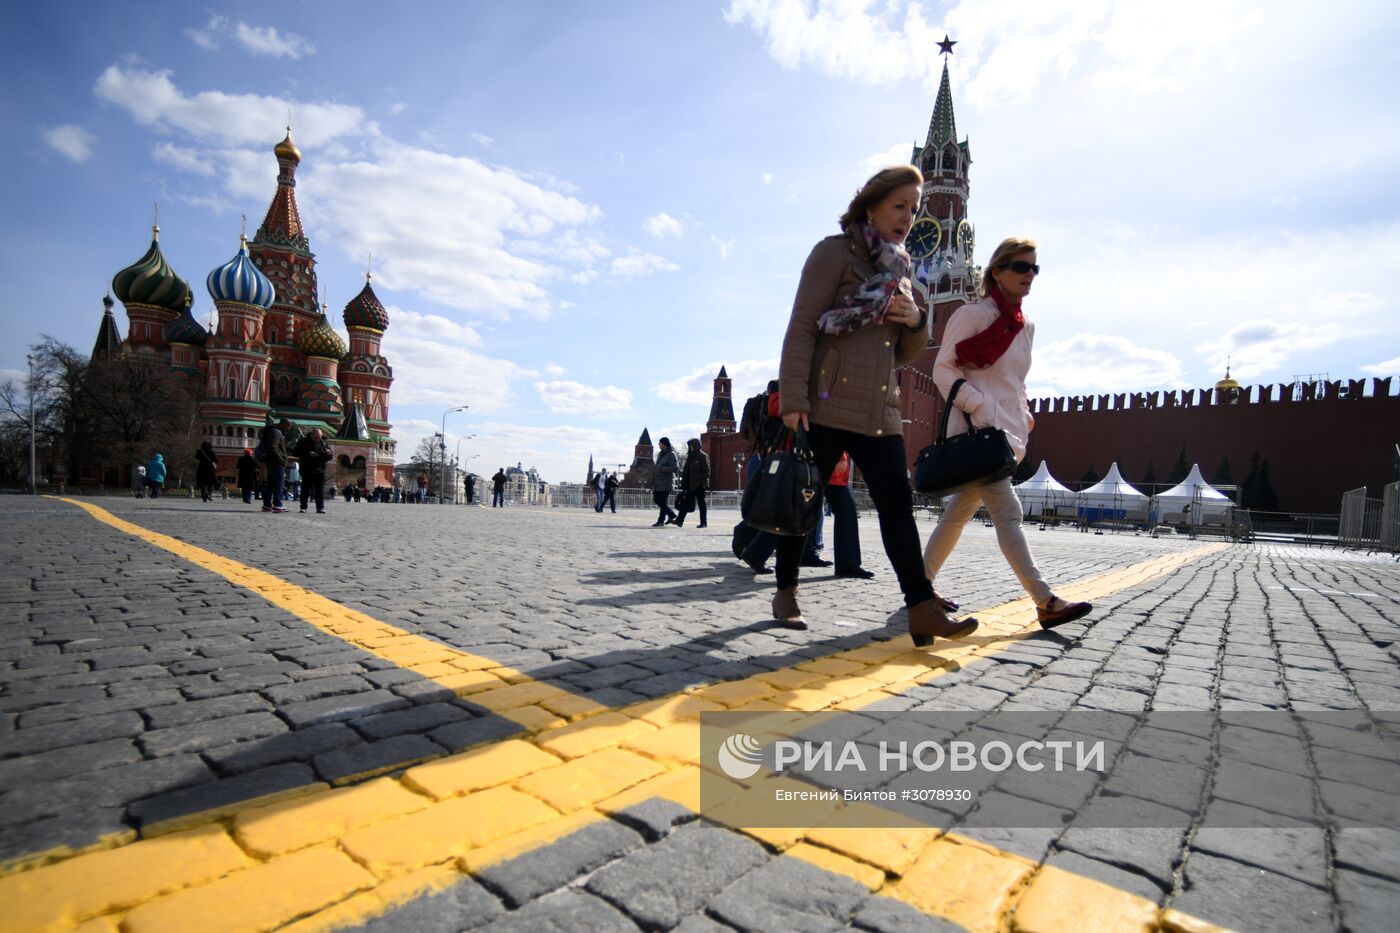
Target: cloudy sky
[{"x": 578, "y": 212}]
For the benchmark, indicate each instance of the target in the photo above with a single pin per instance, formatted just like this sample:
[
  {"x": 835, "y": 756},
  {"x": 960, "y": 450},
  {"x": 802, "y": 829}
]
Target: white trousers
[{"x": 1005, "y": 508}]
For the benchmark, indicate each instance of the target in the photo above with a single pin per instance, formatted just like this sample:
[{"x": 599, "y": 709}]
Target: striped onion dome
[
  {"x": 239, "y": 280},
  {"x": 320, "y": 339},
  {"x": 366, "y": 310},
  {"x": 151, "y": 281},
  {"x": 185, "y": 329}
]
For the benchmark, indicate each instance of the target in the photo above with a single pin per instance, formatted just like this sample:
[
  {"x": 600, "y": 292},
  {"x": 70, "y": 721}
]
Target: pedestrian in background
[
  {"x": 138, "y": 480},
  {"x": 843, "y": 517},
  {"x": 600, "y": 484},
  {"x": 662, "y": 479},
  {"x": 294, "y": 476},
  {"x": 247, "y": 468},
  {"x": 988, "y": 344},
  {"x": 422, "y": 488},
  {"x": 274, "y": 455},
  {"x": 498, "y": 489},
  {"x": 470, "y": 482},
  {"x": 853, "y": 321},
  {"x": 695, "y": 480},
  {"x": 155, "y": 475},
  {"x": 313, "y": 451},
  {"x": 206, "y": 471},
  {"x": 610, "y": 492}
]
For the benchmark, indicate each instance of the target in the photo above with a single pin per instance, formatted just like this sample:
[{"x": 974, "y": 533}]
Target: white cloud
[
  {"x": 1390, "y": 367},
  {"x": 898, "y": 154},
  {"x": 749, "y": 377},
  {"x": 436, "y": 362},
  {"x": 1103, "y": 363},
  {"x": 152, "y": 99},
  {"x": 575, "y": 398},
  {"x": 207, "y": 38},
  {"x": 263, "y": 41},
  {"x": 482, "y": 140},
  {"x": 1256, "y": 348},
  {"x": 663, "y": 225},
  {"x": 460, "y": 233},
  {"x": 724, "y": 246},
  {"x": 680, "y": 433},
  {"x": 267, "y": 41},
  {"x": 637, "y": 263},
  {"x": 71, "y": 142},
  {"x": 554, "y": 369},
  {"x": 397, "y": 107},
  {"x": 768, "y": 178},
  {"x": 182, "y": 158},
  {"x": 1009, "y": 48}
]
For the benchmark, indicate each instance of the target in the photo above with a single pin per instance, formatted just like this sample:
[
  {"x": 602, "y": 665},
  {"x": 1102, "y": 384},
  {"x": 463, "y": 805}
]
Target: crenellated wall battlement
[{"x": 1283, "y": 393}]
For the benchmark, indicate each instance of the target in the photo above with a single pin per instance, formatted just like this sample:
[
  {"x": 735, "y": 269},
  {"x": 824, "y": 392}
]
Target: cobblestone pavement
[{"x": 451, "y": 718}]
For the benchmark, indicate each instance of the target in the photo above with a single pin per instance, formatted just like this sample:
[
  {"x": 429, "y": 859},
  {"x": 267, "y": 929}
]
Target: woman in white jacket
[{"x": 988, "y": 343}]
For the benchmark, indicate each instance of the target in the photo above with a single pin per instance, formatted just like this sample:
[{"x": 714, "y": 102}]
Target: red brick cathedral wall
[{"x": 1333, "y": 437}]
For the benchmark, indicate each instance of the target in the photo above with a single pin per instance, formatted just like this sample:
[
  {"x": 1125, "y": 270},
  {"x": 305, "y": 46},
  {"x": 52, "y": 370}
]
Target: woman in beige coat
[
  {"x": 854, "y": 320},
  {"x": 988, "y": 344}
]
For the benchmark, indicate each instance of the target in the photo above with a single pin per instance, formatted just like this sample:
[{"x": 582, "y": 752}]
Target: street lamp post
[
  {"x": 33, "y": 476},
  {"x": 442, "y": 481}
]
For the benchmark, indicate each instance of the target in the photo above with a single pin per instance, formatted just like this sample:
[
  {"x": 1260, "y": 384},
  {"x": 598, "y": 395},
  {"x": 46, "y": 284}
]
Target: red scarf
[{"x": 984, "y": 349}]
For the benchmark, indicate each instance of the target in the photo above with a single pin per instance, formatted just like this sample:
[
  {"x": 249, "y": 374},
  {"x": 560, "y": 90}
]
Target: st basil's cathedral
[{"x": 273, "y": 349}]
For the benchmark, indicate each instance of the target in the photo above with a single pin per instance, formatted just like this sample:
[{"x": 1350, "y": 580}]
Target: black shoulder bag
[
  {"x": 952, "y": 464},
  {"x": 784, "y": 495}
]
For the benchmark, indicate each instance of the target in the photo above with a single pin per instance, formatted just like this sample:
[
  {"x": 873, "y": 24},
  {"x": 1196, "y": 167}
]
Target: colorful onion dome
[
  {"x": 286, "y": 149},
  {"x": 151, "y": 281},
  {"x": 321, "y": 340},
  {"x": 239, "y": 280},
  {"x": 366, "y": 310},
  {"x": 185, "y": 329}
]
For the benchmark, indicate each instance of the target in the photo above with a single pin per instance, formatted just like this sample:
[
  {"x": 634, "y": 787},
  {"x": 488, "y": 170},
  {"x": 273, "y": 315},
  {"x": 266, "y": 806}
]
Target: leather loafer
[
  {"x": 855, "y": 573},
  {"x": 1068, "y": 612},
  {"x": 814, "y": 562}
]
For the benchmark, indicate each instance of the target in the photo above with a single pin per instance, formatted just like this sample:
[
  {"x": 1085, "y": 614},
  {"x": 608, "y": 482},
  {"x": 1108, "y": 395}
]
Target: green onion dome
[
  {"x": 241, "y": 281},
  {"x": 321, "y": 340},
  {"x": 185, "y": 329},
  {"x": 366, "y": 310},
  {"x": 151, "y": 281}
]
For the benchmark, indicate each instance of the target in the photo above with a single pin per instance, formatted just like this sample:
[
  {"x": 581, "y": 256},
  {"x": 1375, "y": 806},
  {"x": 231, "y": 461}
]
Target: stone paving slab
[{"x": 109, "y": 620}]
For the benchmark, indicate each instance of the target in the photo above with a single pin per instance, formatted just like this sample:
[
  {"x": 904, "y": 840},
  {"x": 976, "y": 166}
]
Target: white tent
[
  {"x": 1193, "y": 500},
  {"x": 1043, "y": 492},
  {"x": 1111, "y": 497}
]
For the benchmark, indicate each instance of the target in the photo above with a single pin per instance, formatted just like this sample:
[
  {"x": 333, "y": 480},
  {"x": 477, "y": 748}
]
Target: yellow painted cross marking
[{"x": 338, "y": 857}]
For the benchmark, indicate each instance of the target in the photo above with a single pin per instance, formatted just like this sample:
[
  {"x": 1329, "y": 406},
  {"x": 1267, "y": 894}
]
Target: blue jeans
[
  {"x": 276, "y": 484},
  {"x": 843, "y": 516}
]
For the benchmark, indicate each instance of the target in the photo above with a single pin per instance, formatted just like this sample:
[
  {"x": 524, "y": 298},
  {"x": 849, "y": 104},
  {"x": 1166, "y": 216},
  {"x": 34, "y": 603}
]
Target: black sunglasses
[{"x": 1021, "y": 267}]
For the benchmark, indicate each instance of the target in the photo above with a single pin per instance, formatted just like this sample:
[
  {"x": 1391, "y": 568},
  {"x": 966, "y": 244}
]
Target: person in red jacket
[{"x": 843, "y": 516}]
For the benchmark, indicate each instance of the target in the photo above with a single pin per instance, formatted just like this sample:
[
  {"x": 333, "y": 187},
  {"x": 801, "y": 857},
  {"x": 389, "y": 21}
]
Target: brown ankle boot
[
  {"x": 927, "y": 619},
  {"x": 786, "y": 610}
]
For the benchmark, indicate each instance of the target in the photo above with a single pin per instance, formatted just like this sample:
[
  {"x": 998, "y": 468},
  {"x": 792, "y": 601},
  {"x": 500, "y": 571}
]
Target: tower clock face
[
  {"x": 965, "y": 238},
  {"x": 923, "y": 238}
]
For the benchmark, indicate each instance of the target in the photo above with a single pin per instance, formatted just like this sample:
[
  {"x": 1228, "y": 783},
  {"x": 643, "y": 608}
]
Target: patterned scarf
[
  {"x": 984, "y": 349},
  {"x": 871, "y": 302}
]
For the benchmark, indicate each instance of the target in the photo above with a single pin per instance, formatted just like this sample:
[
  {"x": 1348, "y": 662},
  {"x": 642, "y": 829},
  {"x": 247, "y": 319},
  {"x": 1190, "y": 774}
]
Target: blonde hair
[
  {"x": 877, "y": 189},
  {"x": 1001, "y": 258}
]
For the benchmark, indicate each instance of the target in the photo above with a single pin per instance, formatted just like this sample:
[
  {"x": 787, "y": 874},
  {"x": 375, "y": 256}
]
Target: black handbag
[
  {"x": 685, "y": 501},
  {"x": 784, "y": 495},
  {"x": 952, "y": 464}
]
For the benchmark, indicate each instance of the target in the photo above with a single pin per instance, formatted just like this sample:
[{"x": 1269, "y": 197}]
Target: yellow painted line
[{"x": 378, "y": 844}]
